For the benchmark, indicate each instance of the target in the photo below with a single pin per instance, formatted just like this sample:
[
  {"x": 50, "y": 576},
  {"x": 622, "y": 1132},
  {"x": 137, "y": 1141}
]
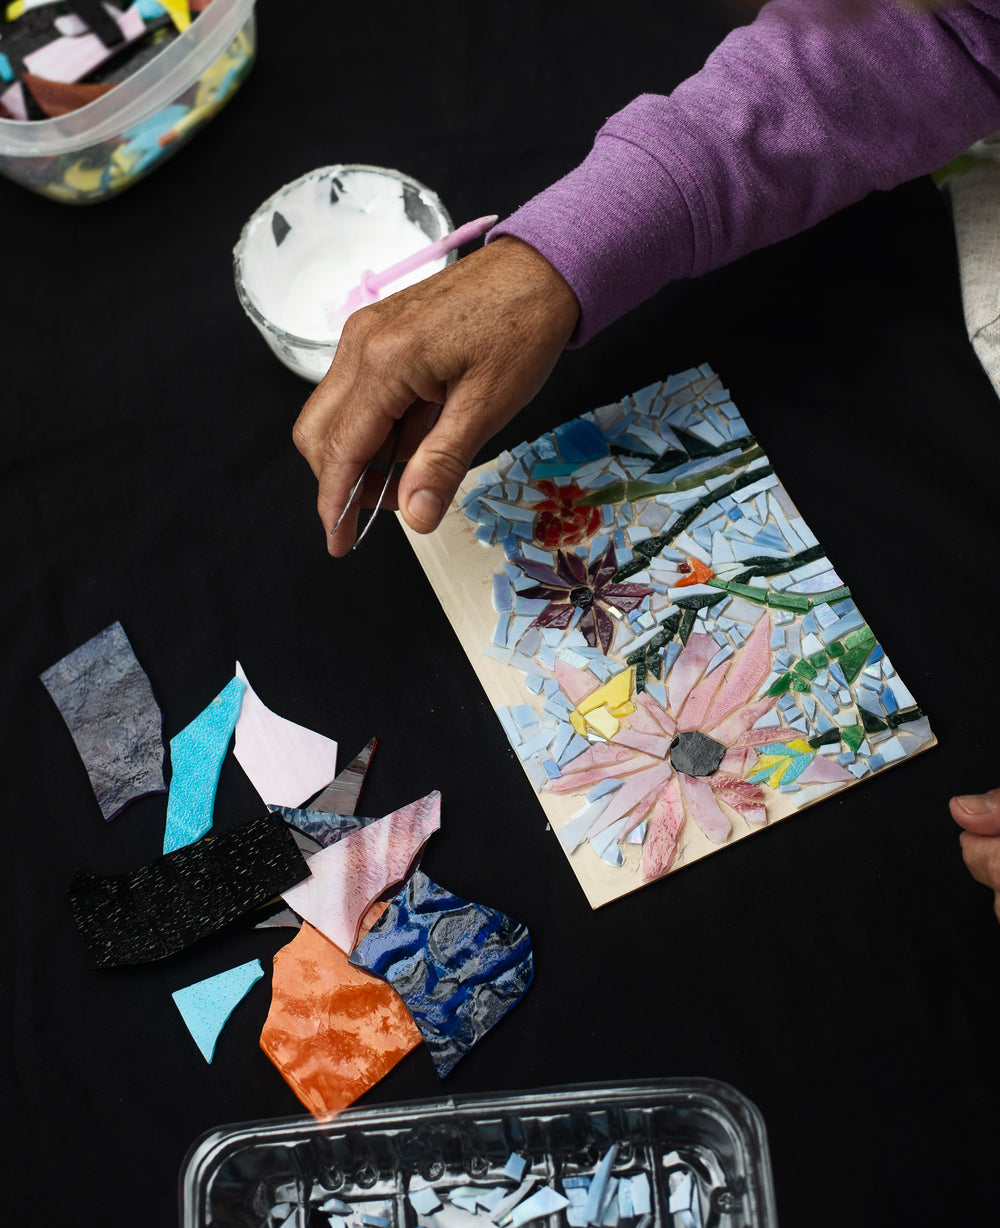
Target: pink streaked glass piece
[
  {"x": 69, "y": 59},
  {"x": 576, "y": 684},
  {"x": 738, "y": 727},
  {"x": 704, "y": 809},
  {"x": 600, "y": 754},
  {"x": 643, "y": 721},
  {"x": 635, "y": 790},
  {"x": 823, "y": 770},
  {"x": 699, "y": 699},
  {"x": 632, "y": 763},
  {"x": 286, "y": 763},
  {"x": 347, "y": 877},
  {"x": 688, "y": 668},
  {"x": 747, "y": 671},
  {"x": 746, "y": 798},
  {"x": 653, "y": 709},
  {"x": 656, "y": 744},
  {"x": 665, "y": 821}
]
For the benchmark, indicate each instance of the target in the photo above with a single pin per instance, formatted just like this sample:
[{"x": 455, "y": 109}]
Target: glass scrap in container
[{"x": 672, "y": 655}]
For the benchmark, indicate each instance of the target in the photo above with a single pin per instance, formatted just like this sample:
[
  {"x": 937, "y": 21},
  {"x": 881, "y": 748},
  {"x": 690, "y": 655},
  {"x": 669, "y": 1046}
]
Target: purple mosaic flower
[{"x": 573, "y": 586}]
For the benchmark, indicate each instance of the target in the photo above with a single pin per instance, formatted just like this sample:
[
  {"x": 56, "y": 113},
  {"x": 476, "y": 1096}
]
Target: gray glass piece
[{"x": 107, "y": 702}]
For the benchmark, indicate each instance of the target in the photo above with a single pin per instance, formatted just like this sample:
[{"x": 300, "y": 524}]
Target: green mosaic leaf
[
  {"x": 780, "y": 685},
  {"x": 805, "y": 669},
  {"x": 853, "y": 736},
  {"x": 825, "y": 739}
]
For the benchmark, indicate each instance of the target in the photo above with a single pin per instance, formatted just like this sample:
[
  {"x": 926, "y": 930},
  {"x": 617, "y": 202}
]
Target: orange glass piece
[
  {"x": 333, "y": 1030},
  {"x": 700, "y": 573}
]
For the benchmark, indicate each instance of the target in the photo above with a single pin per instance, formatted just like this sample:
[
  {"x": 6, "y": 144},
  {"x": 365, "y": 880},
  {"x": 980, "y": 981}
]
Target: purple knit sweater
[{"x": 803, "y": 111}]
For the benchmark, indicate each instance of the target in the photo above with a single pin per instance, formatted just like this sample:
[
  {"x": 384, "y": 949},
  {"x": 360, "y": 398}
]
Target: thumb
[
  {"x": 432, "y": 475},
  {"x": 978, "y": 812}
]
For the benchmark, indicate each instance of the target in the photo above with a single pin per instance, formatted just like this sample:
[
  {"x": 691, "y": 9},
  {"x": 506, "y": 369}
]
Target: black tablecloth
[{"x": 841, "y": 970}]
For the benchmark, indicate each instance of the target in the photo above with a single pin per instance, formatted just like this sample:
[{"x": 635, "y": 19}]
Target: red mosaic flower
[{"x": 559, "y": 523}]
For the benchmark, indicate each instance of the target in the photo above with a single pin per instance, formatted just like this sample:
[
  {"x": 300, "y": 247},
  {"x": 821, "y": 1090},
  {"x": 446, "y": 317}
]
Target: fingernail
[
  {"x": 976, "y": 803},
  {"x": 427, "y": 506}
]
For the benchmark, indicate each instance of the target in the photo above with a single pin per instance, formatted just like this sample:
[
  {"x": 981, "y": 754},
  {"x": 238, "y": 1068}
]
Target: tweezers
[{"x": 360, "y": 482}]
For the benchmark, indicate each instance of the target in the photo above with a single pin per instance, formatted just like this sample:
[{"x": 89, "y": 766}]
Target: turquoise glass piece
[
  {"x": 196, "y": 755},
  {"x": 206, "y": 1005}
]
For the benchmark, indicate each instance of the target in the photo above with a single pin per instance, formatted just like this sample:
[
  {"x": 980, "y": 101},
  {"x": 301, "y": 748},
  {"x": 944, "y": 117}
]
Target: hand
[
  {"x": 979, "y": 814},
  {"x": 452, "y": 359}
]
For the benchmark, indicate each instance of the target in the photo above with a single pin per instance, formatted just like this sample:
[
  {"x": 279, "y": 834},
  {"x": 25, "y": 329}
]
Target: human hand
[
  {"x": 979, "y": 814},
  {"x": 451, "y": 359}
]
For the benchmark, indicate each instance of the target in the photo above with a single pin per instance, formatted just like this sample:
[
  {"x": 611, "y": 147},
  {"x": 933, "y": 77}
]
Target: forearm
[{"x": 794, "y": 116}]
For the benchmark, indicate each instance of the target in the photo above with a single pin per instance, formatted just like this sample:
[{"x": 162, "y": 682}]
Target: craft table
[{"x": 841, "y": 970}]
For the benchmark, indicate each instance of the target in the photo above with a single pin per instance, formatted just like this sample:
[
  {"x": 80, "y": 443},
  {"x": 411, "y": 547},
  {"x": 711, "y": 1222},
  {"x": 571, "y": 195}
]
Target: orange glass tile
[{"x": 333, "y": 1030}]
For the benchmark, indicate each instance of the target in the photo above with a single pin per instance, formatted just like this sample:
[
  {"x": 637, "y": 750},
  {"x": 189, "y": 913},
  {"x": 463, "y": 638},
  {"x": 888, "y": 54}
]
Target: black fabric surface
[{"x": 841, "y": 970}]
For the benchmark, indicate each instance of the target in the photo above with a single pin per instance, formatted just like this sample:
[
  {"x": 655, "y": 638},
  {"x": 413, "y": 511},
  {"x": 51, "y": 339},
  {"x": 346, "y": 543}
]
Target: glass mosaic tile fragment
[
  {"x": 105, "y": 698},
  {"x": 206, "y": 1005},
  {"x": 755, "y": 686},
  {"x": 333, "y": 1030},
  {"x": 322, "y": 827},
  {"x": 458, "y": 966},
  {"x": 184, "y": 895},
  {"x": 196, "y": 755},
  {"x": 346, "y": 877},
  {"x": 342, "y": 794},
  {"x": 286, "y": 763}
]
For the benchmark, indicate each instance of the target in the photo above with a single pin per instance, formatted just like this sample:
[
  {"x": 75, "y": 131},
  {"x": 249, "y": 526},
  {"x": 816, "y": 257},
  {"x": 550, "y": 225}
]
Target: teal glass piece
[
  {"x": 196, "y": 755},
  {"x": 206, "y": 1005},
  {"x": 580, "y": 441}
]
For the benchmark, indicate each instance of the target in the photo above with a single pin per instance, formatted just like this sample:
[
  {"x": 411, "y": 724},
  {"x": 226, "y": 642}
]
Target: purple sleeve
[{"x": 794, "y": 116}]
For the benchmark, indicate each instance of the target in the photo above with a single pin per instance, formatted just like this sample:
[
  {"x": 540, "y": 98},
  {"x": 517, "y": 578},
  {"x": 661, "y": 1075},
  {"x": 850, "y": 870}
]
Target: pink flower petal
[
  {"x": 576, "y": 684},
  {"x": 729, "y": 731},
  {"x": 770, "y": 733},
  {"x": 632, "y": 792},
  {"x": 600, "y": 754},
  {"x": 643, "y": 721},
  {"x": 656, "y": 744},
  {"x": 665, "y": 821},
  {"x": 746, "y": 798},
  {"x": 663, "y": 719},
  {"x": 822, "y": 770},
  {"x": 704, "y": 809},
  {"x": 582, "y": 780},
  {"x": 689, "y": 667},
  {"x": 697, "y": 703},
  {"x": 747, "y": 672},
  {"x": 735, "y": 762}
]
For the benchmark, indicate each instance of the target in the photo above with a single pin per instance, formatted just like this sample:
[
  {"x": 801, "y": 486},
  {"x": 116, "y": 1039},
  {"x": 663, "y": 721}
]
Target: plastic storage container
[
  {"x": 96, "y": 151},
  {"x": 701, "y": 1145}
]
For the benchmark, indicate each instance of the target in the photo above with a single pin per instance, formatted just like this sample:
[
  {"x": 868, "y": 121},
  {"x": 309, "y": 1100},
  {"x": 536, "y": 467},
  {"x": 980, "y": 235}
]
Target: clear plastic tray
[{"x": 283, "y": 1171}]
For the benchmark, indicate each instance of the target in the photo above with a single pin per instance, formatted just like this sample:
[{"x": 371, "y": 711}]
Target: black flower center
[
  {"x": 582, "y": 596},
  {"x": 696, "y": 754}
]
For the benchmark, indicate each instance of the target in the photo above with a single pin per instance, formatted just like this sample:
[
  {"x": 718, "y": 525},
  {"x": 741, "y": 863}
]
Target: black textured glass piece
[
  {"x": 688, "y": 620},
  {"x": 669, "y": 460},
  {"x": 696, "y": 448},
  {"x": 701, "y": 601},
  {"x": 871, "y": 722},
  {"x": 186, "y": 894},
  {"x": 581, "y": 597},
  {"x": 825, "y": 739},
  {"x": 895, "y": 719},
  {"x": 654, "y": 665},
  {"x": 631, "y": 568},
  {"x": 765, "y": 565},
  {"x": 696, "y": 754},
  {"x": 640, "y": 677},
  {"x": 279, "y": 227}
]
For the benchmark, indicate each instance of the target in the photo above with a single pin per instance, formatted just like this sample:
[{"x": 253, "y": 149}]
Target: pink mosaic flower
[{"x": 683, "y": 761}]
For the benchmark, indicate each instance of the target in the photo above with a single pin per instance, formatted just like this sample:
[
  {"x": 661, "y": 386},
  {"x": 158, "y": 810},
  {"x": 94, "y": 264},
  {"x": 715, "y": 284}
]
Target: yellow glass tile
[
  {"x": 614, "y": 693},
  {"x": 81, "y": 179},
  {"x": 622, "y": 710},
  {"x": 802, "y": 745},
  {"x": 602, "y": 720},
  {"x": 578, "y": 723},
  {"x": 179, "y": 12}
]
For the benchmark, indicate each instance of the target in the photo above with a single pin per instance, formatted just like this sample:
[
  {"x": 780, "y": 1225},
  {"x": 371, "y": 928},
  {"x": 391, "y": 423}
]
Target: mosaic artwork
[{"x": 672, "y": 655}]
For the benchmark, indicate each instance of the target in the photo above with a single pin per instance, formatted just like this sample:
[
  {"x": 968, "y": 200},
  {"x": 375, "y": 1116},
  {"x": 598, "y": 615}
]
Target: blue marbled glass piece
[
  {"x": 105, "y": 698},
  {"x": 321, "y": 826},
  {"x": 458, "y": 966}
]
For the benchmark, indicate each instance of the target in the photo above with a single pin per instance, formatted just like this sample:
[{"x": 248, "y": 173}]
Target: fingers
[{"x": 978, "y": 812}]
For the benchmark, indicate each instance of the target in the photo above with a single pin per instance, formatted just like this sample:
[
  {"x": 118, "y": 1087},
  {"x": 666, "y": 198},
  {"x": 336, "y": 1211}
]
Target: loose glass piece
[
  {"x": 459, "y": 966},
  {"x": 184, "y": 895},
  {"x": 341, "y": 796},
  {"x": 196, "y": 755},
  {"x": 285, "y": 762},
  {"x": 105, "y": 698},
  {"x": 321, "y": 827},
  {"x": 206, "y": 1005},
  {"x": 333, "y": 1030},
  {"x": 346, "y": 877}
]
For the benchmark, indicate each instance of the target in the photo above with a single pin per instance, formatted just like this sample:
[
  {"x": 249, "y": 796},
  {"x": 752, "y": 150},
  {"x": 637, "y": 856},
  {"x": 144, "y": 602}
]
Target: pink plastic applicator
[{"x": 371, "y": 283}]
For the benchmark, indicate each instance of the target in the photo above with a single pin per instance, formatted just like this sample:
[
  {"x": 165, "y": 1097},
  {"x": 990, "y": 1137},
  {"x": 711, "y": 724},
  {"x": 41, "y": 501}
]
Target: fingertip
[{"x": 424, "y": 510}]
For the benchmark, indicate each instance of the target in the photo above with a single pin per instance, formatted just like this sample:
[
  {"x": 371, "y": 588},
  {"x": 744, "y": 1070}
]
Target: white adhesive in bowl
[{"x": 310, "y": 243}]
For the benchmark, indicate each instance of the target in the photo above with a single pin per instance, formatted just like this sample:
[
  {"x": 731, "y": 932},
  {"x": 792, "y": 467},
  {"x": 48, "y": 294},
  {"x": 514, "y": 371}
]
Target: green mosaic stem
[{"x": 636, "y": 488}]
